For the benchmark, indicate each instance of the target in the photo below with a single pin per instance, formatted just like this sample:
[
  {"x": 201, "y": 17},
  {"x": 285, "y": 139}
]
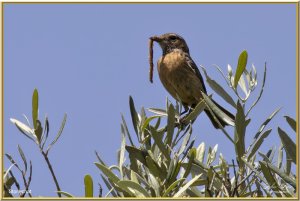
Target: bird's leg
[
  {"x": 190, "y": 110},
  {"x": 186, "y": 109}
]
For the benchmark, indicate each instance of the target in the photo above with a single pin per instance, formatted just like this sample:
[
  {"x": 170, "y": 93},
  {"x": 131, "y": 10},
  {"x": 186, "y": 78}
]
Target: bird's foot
[{"x": 182, "y": 120}]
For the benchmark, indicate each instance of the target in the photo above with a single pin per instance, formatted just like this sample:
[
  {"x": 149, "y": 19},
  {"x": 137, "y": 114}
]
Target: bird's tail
[{"x": 222, "y": 122}]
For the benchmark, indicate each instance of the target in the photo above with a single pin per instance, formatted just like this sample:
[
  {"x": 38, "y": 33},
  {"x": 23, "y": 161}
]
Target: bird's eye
[{"x": 173, "y": 38}]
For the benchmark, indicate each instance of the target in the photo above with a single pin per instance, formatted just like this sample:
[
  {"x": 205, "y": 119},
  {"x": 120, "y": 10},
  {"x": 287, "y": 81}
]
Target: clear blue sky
[{"x": 86, "y": 59}]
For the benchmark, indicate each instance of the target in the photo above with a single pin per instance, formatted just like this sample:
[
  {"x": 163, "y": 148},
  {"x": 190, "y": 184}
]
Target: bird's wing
[{"x": 195, "y": 69}]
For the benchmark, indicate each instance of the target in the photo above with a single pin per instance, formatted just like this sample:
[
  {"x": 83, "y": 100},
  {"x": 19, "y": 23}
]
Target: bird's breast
[{"x": 171, "y": 62}]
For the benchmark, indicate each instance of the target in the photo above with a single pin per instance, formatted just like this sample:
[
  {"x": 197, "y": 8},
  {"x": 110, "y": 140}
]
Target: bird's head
[{"x": 170, "y": 41}]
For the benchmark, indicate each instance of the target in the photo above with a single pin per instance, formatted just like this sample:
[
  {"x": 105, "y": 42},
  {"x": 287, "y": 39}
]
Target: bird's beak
[{"x": 156, "y": 39}]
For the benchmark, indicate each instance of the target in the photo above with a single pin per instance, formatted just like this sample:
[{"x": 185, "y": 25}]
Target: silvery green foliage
[{"x": 164, "y": 161}]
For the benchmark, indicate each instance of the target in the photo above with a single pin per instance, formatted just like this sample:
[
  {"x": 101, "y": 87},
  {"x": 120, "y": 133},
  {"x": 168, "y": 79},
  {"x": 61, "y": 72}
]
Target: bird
[{"x": 181, "y": 77}]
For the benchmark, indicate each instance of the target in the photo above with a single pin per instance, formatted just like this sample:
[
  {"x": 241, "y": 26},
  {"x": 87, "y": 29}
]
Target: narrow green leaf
[
  {"x": 35, "y": 107},
  {"x": 240, "y": 131},
  {"x": 122, "y": 153},
  {"x": 108, "y": 173},
  {"x": 262, "y": 127},
  {"x": 248, "y": 77},
  {"x": 280, "y": 156},
  {"x": 288, "y": 164},
  {"x": 200, "y": 182},
  {"x": 228, "y": 78},
  {"x": 171, "y": 169},
  {"x": 254, "y": 72},
  {"x": 265, "y": 123},
  {"x": 6, "y": 172},
  {"x": 122, "y": 192},
  {"x": 258, "y": 143},
  {"x": 38, "y": 131},
  {"x": 114, "y": 167},
  {"x": 223, "y": 165},
  {"x": 289, "y": 145},
  {"x": 284, "y": 176},
  {"x": 271, "y": 153},
  {"x": 137, "y": 154},
  {"x": 186, "y": 186},
  {"x": 143, "y": 115},
  {"x": 24, "y": 129},
  {"x": 219, "y": 89},
  {"x": 172, "y": 186},
  {"x": 197, "y": 167},
  {"x": 65, "y": 193},
  {"x": 170, "y": 125},
  {"x": 264, "y": 156},
  {"x": 217, "y": 111},
  {"x": 133, "y": 176},
  {"x": 291, "y": 122},
  {"x": 147, "y": 121},
  {"x": 192, "y": 154},
  {"x": 200, "y": 152},
  {"x": 134, "y": 186},
  {"x": 99, "y": 159},
  {"x": 157, "y": 123},
  {"x": 126, "y": 130},
  {"x": 88, "y": 186},
  {"x": 23, "y": 157},
  {"x": 159, "y": 143},
  {"x": 137, "y": 178},
  {"x": 134, "y": 116},
  {"x": 254, "y": 170},
  {"x": 212, "y": 179},
  {"x": 153, "y": 167},
  {"x": 109, "y": 187},
  {"x": 27, "y": 120},
  {"x": 261, "y": 91},
  {"x": 10, "y": 158},
  {"x": 46, "y": 132},
  {"x": 59, "y": 132},
  {"x": 265, "y": 189},
  {"x": 154, "y": 184},
  {"x": 160, "y": 112},
  {"x": 242, "y": 84},
  {"x": 242, "y": 62},
  {"x": 270, "y": 179},
  {"x": 212, "y": 155},
  {"x": 185, "y": 140}
]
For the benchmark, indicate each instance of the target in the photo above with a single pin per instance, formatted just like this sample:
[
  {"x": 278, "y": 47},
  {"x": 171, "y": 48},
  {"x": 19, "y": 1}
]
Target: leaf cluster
[{"x": 166, "y": 163}]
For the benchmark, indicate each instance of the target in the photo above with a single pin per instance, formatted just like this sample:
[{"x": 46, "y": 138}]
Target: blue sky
[{"x": 86, "y": 59}]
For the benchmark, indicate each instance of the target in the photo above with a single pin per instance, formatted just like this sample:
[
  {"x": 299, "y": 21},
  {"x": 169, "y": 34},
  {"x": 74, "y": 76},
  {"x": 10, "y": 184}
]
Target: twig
[
  {"x": 52, "y": 172},
  {"x": 27, "y": 184}
]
